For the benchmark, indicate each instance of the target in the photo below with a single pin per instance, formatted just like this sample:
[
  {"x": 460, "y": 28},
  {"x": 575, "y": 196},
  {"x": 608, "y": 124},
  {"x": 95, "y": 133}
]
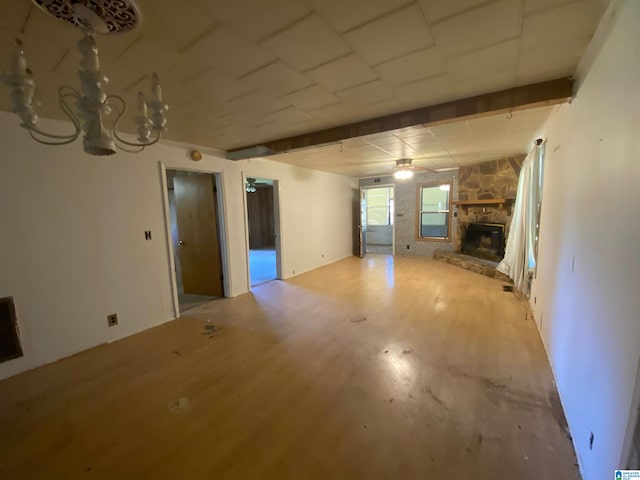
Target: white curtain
[{"x": 520, "y": 254}]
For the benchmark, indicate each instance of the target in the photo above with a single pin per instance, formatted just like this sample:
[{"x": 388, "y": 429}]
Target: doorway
[
  {"x": 194, "y": 216},
  {"x": 377, "y": 220},
  {"x": 263, "y": 229}
]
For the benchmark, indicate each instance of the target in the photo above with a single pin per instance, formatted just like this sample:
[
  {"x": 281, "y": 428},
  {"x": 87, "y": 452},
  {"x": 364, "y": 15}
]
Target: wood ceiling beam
[{"x": 519, "y": 98}]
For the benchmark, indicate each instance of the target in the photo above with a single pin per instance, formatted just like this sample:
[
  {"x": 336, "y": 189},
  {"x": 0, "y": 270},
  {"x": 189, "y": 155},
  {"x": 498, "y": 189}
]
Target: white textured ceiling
[
  {"x": 244, "y": 71},
  {"x": 449, "y": 145}
]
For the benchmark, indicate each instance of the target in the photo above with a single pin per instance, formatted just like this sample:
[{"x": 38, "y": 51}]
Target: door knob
[{"x": 181, "y": 243}]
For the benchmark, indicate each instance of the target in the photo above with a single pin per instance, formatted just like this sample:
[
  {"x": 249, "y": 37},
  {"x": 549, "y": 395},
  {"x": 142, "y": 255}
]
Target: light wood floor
[{"x": 382, "y": 368}]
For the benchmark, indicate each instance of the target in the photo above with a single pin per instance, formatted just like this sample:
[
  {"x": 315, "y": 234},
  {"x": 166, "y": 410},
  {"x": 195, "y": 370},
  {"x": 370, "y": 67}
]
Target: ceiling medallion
[{"x": 105, "y": 16}]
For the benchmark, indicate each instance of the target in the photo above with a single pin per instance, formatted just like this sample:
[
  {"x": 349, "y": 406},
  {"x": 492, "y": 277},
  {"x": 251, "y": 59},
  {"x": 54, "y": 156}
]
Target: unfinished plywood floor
[{"x": 382, "y": 368}]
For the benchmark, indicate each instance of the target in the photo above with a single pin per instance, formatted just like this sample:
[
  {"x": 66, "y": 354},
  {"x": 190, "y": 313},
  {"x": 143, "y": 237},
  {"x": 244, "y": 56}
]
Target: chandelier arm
[
  {"x": 68, "y": 111},
  {"x": 33, "y": 133},
  {"x": 120, "y": 147},
  {"x": 130, "y": 144},
  {"x": 71, "y": 91},
  {"x": 114, "y": 133},
  {"x": 65, "y": 139}
]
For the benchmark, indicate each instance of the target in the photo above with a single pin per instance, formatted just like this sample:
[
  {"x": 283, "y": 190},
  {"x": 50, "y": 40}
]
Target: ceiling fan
[
  {"x": 404, "y": 169},
  {"x": 251, "y": 184}
]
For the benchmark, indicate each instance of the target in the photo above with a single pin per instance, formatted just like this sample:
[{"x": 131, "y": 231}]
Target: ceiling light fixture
[
  {"x": 403, "y": 174},
  {"x": 92, "y": 103},
  {"x": 250, "y": 185},
  {"x": 404, "y": 169}
]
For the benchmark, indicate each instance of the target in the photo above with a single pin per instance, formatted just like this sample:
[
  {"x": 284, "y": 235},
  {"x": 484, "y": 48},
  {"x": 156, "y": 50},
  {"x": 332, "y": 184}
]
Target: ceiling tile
[
  {"x": 228, "y": 51},
  {"x": 545, "y": 61},
  {"x": 344, "y": 15},
  {"x": 214, "y": 85},
  {"x": 384, "y": 140},
  {"x": 311, "y": 98},
  {"x": 7, "y": 39},
  {"x": 307, "y": 44},
  {"x": 367, "y": 94},
  {"x": 457, "y": 130},
  {"x": 374, "y": 44},
  {"x": 173, "y": 24},
  {"x": 574, "y": 21},
  {"x": 257, "y": 19},
  {"x": 342, "y": 73},
  {"x": 19, "y": 10},
  {"x": 338, "y": 113},
  {"x": 436, "y": 10},
  {"x": 41, "y": 51},
  {"x": 537, "y": 6},
  {"x": 241, "y": 119},
  {"x": 486, "y": 25},
  {"x": 492, "y": 82},
  {"x": 277, "y": 79},
  {"x": 256, "y": 101},
  {"x": 500, "y": 57},
  {"x": 289, "y": 115},
  {"x": 383, "y": 107},
  {"x": 304, "y": 126},
  {"x": 430, "y": 91},
  {"x": 414, "y": 66},
  {"x": 268, "y": 132},
  {"x": 428, "y": 148}
]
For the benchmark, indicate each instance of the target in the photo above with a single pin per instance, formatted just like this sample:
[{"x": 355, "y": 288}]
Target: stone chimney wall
[{"x": 487, "y": 180}]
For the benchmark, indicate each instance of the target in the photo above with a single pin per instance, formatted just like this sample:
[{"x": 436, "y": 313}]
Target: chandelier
[{"x": 92, "y": 104}]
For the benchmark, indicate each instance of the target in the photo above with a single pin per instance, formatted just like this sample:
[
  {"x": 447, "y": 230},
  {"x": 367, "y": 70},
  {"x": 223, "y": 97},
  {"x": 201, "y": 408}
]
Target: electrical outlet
[
  {"x": 112, "y": 319},
  {"x": 591, "y": 437},
  {"x": 147, "y": 234}
]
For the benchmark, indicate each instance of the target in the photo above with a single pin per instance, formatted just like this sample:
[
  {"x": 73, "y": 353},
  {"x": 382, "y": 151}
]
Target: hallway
[
  {"x": 262, "y": 265},
  {"x": 382, "y": 368}
]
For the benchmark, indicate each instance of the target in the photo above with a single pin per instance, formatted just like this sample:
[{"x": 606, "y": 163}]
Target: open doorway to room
[
  {"x": 194, "y": 217},
  {"x": 263, "y": 229},
  {"x": 377, "y": 218}
]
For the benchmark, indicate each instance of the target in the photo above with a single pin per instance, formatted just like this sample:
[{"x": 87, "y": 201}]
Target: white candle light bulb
[
  {"x": 17, "y": 64},
  {"x": 142, "y": 105},
  {"x": 156, "y": 89}
]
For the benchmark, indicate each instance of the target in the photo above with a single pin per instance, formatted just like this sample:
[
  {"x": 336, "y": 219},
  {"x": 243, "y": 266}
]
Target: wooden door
[
  {"x": 261, "y": 218},
  {"x": 199, "y": 247}
]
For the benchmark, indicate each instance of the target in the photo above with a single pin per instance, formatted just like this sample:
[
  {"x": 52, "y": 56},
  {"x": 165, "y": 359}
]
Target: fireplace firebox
[{"x": 484, "y": 240}]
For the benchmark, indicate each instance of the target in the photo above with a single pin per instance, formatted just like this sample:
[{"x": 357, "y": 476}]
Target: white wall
[
  {"x": 586, "y": 297},
  {"x": 315, "y": 226},
  {"x": 72, "y": 247}
]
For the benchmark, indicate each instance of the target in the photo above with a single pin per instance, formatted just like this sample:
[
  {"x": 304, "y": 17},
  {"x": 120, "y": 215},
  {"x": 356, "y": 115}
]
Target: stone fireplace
[
  {"x": 486, "y": 193},
  {"x": 484, "y": 240}
]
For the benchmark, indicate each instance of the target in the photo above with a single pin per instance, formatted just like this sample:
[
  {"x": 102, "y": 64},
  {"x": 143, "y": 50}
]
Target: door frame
[
  {"x": 393, "y": 225},
  {"x": 218, "y": 179},
  {"x": 277, "y": 218}
]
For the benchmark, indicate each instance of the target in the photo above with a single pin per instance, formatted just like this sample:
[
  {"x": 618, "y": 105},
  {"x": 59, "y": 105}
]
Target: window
[
  {"x": 434, "y": 211},
  {"x": 379, "y": 206},
  {"x": 538, "y": 176}
]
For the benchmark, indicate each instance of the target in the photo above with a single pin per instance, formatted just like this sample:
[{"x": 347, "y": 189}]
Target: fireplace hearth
[{"x": 484, "y": 240}]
